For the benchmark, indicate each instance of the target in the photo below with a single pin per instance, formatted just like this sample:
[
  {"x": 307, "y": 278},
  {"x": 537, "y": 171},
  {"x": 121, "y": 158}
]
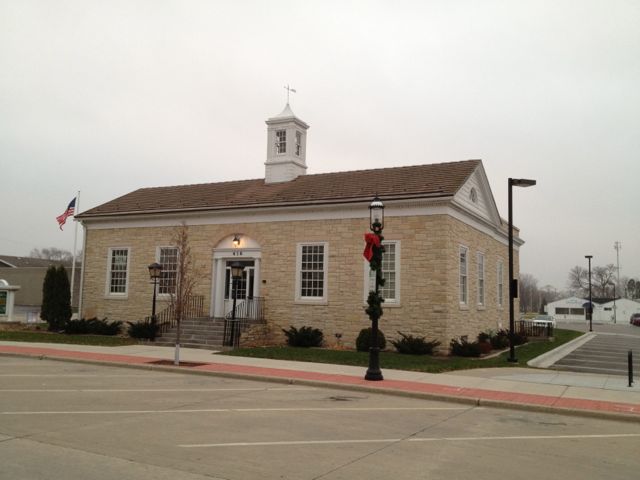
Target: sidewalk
[{"x": 537, "y": 389}]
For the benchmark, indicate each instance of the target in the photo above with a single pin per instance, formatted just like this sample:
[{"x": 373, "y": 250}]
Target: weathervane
[{"x": 289, "y": 90}]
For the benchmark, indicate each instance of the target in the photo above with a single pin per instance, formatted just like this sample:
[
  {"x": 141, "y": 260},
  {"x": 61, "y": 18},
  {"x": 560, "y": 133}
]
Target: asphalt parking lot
[{"x": 72, "y": 421}]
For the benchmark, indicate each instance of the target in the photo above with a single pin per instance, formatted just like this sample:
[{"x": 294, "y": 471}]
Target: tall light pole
[
  {"x": 590, "y": 307},
  {"x": 513, "y": 284},
  {"x": 155, "y": 272},
  {"x": 374, "y": 310}
]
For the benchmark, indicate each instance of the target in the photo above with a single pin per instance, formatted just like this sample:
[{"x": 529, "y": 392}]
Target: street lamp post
[
  {"x": 590, "y": 307},
  {"x": 155, "y": 272},
  {"x": 374, "y": 310},
  {"x": 513, "y": 286},
  {"x": 236, "y": 275}
]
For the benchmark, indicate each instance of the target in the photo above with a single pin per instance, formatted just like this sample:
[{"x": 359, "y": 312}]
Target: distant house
[
  {"x": 605, "y": 310},
  {"x": 29, "y": 273},
  {"x": 300, "y": 239}
]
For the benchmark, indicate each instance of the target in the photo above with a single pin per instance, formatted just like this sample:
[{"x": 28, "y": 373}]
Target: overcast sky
[{"x": 107, "y": 97}]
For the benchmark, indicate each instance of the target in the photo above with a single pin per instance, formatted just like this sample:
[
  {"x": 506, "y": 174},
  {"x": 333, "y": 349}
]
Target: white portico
[{"x": 237, "y": 247}]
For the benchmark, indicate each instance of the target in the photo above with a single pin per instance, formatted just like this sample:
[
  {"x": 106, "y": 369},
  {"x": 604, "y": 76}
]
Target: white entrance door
[{"x": 244, "y": 288}]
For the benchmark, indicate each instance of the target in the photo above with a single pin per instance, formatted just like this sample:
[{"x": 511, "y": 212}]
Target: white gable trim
[{"x": 484, "y": 206}]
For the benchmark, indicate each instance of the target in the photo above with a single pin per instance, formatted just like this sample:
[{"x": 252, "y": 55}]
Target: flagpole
[{"x": 75, "y": 243}]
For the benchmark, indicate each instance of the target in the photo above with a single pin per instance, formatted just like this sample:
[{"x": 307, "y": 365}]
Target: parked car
[
  {"x": 544, "y": 320},
  {"x": 635, "y": 319}
]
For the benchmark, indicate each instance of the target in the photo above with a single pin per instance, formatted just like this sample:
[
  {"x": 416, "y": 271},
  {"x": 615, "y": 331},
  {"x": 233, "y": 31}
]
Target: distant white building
[{"x": 605, "y": 310}]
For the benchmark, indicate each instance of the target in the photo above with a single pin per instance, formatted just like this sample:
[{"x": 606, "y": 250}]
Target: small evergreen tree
[{"x": 56, "y": 298}]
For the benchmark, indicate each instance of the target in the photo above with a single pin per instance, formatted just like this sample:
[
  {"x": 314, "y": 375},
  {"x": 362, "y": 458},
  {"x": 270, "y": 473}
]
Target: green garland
[{"x": 375, "y": 300}]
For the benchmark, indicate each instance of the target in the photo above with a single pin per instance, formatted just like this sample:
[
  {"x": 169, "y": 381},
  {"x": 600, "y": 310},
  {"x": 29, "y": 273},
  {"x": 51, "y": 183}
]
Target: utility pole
[{"x": 618, "y": 246}]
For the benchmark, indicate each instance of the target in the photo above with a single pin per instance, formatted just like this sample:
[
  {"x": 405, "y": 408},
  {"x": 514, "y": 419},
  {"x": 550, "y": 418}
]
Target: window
[
  {"x": 312, "y": 272},
  {"x": 500, "y": 283},
  {"x": 481, "y": 279},
  {"x": 463, "y": 275},
  {"x": 281, "y": 141},
  {"x": 298, "y": 143},
  {"x": 390, "y": 263},
  {"x": 168, "y": 258},
  {"x": 118, "y": 268}
]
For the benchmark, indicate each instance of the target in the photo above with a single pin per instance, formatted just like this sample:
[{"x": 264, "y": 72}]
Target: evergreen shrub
[
  {"x": 461, "y": 347},
  {"x": 410, "y": 345},
  {"x": 304, "y": 337},
  {"x": 363, "y": 342},
  {"x": 92, "y": 326},
  {"x": 56, "y": 298},
  {"x": 143, "y": 330}
]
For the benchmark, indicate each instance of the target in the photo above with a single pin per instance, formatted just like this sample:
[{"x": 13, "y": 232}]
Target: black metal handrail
[
  {"x": 249, "y": 308},
  {"x": 166, "y": 319},
  {"x": 530, "y": 328},
  {"x": 249, "y": 311}
]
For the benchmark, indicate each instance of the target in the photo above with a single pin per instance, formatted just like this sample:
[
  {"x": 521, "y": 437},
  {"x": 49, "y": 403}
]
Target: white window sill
[
  {"x": 116, "y": 297},
  {"x": 464, "y": 306},
  {"x": 319, "y": 301}
]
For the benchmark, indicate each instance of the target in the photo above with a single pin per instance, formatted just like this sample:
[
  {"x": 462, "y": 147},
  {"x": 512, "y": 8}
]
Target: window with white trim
[
  {"x": 168, "y": 258},
  {"x": 464, "y": 287},
  {"x": 118, "y": 271},
  {"x": 312, "y": 272},
  {"x": 390, "y": 273},
  {"x": 481, "y": 279},
  {"x": 500, "y": 275},
  {"x": 281, "y": 141}
]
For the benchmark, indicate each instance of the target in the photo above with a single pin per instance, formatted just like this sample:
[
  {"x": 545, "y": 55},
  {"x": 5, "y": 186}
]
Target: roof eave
[{"x": 87, "y": 216}]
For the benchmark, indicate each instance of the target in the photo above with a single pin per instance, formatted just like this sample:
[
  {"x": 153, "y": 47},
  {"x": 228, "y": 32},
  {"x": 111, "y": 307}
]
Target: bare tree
[
  {"x": 578, "y": 282},
  {"x": 528, "y": 292},
  {"x": 632, "y": 290},
  {"x": 602, "y": 277},
  {"x": 52, "y": 253},
  {"x": 187, "y": 276}
]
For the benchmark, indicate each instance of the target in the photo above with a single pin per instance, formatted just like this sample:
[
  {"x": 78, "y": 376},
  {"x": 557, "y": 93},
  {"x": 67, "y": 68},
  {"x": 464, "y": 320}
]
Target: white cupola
[{"x": 286, "y": 147}]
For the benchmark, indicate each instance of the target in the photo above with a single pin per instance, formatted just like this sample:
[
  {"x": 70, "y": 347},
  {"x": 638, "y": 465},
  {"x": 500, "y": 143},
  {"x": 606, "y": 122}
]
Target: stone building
[{"x": 300, "y": 239}]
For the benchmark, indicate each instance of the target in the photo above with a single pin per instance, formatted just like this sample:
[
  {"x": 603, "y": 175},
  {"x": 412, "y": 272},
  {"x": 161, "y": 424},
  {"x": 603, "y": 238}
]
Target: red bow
[{"x": 372, "y": 241}]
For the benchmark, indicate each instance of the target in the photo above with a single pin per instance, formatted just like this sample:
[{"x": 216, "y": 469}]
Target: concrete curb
[
  {"x": 547, "y": 359},
  {"x": 373, "y": 388}
]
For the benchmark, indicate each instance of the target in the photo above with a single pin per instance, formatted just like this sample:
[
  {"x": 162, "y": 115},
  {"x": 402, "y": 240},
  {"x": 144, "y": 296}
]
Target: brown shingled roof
[{"x": 434, "y": 180}]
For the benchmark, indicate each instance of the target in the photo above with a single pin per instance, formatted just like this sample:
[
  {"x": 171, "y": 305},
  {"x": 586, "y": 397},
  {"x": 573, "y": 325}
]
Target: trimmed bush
[
  {"x": 363, "y": 342},
  {"x": 56, "y": 298},
  {"x": 500, "y": 339},
  {"x": 410, "y": 345},
  {"x": 143, "y": 330},
  {"x": 463, "y": 348},
  {"x": 92, "y": 326},
  {"x": 304, "y": 337}
]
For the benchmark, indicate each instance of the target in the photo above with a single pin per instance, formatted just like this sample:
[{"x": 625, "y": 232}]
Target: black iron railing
[
  {"x": 166, "y": 319},
  {"x": 531, "y": 328},
  {"x": 249, "y": 311}
]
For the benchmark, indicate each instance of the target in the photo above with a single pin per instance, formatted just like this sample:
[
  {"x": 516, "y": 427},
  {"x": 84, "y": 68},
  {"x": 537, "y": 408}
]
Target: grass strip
[{"x": 417, "y": 363}]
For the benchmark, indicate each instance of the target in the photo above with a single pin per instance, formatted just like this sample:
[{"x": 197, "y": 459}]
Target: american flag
[{"x": 62, "y": 219}]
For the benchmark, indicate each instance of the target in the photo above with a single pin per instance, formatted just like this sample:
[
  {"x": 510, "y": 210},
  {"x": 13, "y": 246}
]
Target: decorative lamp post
[
  {"x": 590, "y": 307},
  {"x": 513, "y": 284},
  {"x": 155, "y": 272},
  {"x": 236, "y": 275},
  {"x": 373, "y": 253}
]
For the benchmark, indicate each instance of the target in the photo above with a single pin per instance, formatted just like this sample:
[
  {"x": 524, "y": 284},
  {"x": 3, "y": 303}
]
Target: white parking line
[
  {"x": 413, "y": 440},
  {"x": 232, "y": 410}
]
